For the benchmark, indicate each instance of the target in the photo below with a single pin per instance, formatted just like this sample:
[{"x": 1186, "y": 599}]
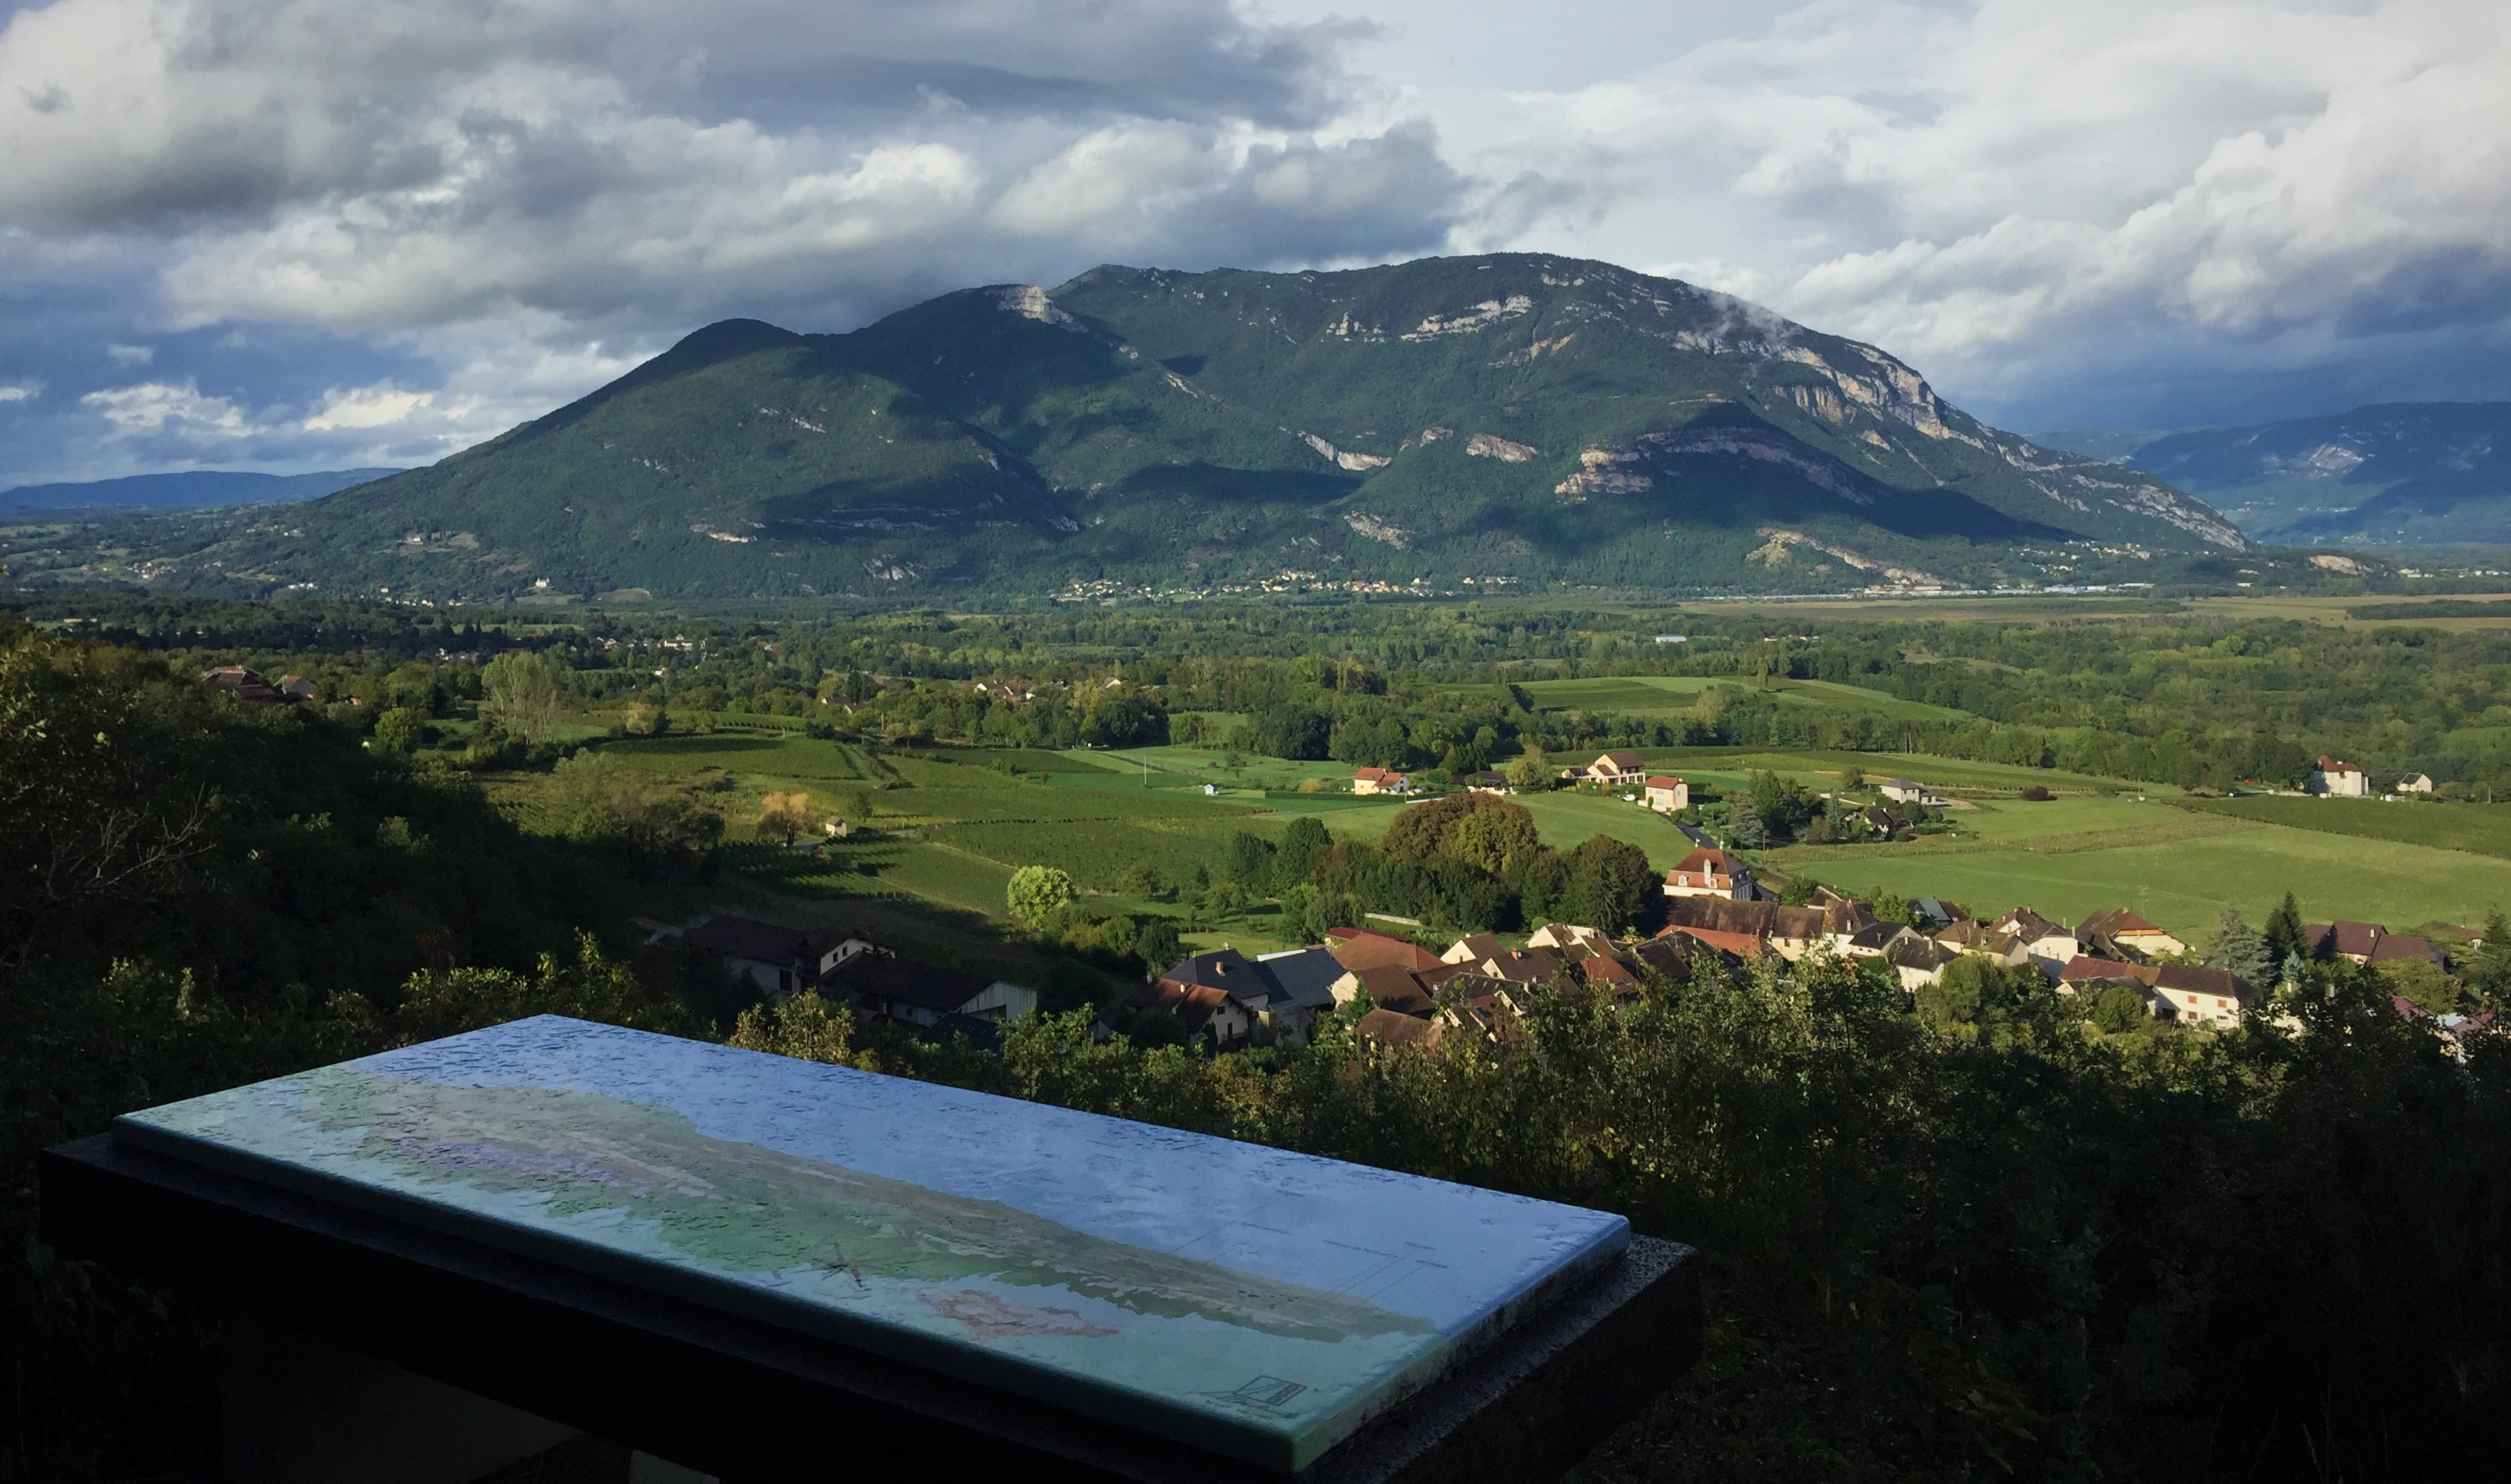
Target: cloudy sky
[{"x": 305, "y": 234}]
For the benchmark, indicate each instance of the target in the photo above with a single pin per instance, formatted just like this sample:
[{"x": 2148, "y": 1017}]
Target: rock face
[{"x": 1518, "y": 416}]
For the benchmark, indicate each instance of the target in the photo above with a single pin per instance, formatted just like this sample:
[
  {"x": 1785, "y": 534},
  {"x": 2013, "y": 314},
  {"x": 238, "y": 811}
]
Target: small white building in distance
[
  {"x": 2339, "y": 779},
  {"x": 2415, "y": 782},
  {"x": 1380, "y": 781},
  {"x": 1904, "y": 791},
  {"x": 1667, "y": 794}
]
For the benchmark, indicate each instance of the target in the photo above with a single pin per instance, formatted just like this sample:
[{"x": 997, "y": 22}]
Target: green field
[
  {"x": 1672, "y": 694},
  {"x": 2483, "y": 828},
  {"x": 2177, "y": 866},
  {"x": 778, "y": 757},
  {"x": 1952, "y": 776}
]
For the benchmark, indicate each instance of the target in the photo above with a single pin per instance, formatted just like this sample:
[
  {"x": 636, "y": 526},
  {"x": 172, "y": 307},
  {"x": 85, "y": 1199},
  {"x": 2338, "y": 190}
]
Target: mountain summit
[{"x": 1516, "y": 417}]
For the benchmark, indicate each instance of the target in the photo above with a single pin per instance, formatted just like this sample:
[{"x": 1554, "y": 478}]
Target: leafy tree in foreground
[
  {"x": 784, "y": 815},
  {"x": 525, "y": 693},
  {"x": 1611, "y": 885},
  {"x": 1037, "y": 892},
  {"x": 400, "y": 729}
]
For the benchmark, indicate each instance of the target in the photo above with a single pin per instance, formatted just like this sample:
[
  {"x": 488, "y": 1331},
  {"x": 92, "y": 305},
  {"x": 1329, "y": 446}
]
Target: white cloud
[
  {"x": 130, "y": 355},
  {"x": 20, "y": 390},
  {"x": 157, "y": 407},
  {"x": 2030, "y": 196},
  {"x": 381, "y": 406}
]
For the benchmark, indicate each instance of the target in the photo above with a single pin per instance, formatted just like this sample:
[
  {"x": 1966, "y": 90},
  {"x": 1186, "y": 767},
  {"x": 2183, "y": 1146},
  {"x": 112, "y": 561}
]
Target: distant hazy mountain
[
  {"x": 1521, "y": 417},
  {"x": 188, "y": 490},
  {"x": 2395, "y": 473},
  {"x": 2112, "y": 444}
]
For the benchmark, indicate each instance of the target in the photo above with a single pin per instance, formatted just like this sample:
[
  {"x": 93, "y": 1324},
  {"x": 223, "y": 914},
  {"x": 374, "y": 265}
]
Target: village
[{"x": 1717, "y": 917}]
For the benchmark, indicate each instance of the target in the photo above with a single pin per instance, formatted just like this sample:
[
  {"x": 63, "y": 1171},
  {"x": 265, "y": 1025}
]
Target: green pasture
[
  {"x": 2177, "y": 866},
  {"x": 1672, "y": 694},
  {"x": 796, "y": 758},
  {"x": 1817, "y": 767},
  {"x": 2482, "y": 829}
]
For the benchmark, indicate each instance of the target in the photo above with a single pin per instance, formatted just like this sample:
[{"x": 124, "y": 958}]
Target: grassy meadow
[
  {"x": 948, "y": 827},
  {"x": 2176, "y": 865}
]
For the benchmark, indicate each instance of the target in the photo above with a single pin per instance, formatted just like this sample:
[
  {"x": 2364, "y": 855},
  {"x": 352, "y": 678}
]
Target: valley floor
[{"x": 949, "y": 826}]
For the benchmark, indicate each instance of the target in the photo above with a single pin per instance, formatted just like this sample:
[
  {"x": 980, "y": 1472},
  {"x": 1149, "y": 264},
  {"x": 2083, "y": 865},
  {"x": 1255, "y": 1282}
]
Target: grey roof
[
  {"x": 1304, "y": 976},
  {"x": 747, "y": 937}
]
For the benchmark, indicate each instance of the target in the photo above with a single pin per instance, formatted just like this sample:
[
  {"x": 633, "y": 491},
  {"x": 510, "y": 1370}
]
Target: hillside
[
  {"x": 2395, "y": 473},
  {"x": 1512, "y": 419},
  {"x": 186, "y": 489}
]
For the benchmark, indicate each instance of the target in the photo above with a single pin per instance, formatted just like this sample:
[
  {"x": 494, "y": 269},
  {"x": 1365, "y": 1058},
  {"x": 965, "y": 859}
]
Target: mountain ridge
[
  {"x": 186, "y": 489},
  {"x": 1509, "y": 419},
  {"x": 2388, "y": 474}
]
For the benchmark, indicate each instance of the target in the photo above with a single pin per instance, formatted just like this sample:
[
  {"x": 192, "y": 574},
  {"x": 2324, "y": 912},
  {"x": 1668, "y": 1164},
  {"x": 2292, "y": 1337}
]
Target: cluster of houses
[
  {"x": 1417, "y": 997},
  {"x": 1715, "y": 910},
  {"x": 880, "y": 986},
  {"x": 1610, "y": 770},
  {"x": 248, "y": 684}
]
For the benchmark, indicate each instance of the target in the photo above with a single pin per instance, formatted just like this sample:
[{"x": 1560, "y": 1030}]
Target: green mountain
[
  {"x": 1512, "y": 419},
  {"x": 2392, "y": 475}
]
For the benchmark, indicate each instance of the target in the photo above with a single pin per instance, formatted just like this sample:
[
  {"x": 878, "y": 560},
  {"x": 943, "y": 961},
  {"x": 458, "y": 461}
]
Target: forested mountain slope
[{"x": 1522, "y": 418}]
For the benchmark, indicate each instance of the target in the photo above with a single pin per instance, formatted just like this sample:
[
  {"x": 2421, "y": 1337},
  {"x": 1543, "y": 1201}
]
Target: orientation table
[{"x": 761, "y": 1269}]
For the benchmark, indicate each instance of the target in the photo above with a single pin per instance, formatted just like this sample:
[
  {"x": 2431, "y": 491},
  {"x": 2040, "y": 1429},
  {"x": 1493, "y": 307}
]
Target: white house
[
  {"x": 1612, "y": 768},
  {"x": 1667, "y": 794},
  {"x": 1710, "y": 873},
  {"x": 2048, "y": 944},
  {"x": 2339, "y": 779},
  {"x": 2415, "y": 783},
  {"x": 1380, "y": 781},
  {"x": 1904, "y": 791}
]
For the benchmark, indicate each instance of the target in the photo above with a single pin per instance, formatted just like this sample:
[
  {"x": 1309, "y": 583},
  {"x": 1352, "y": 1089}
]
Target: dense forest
[{"x": 1972, "y": 1241}]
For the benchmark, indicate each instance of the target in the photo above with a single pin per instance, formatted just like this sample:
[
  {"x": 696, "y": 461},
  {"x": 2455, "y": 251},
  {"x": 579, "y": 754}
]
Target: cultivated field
[
  {"x": 1673, "y": 695},
  {"x": 2483, "y": 828},
  {"x": 2174, "y": 865}
]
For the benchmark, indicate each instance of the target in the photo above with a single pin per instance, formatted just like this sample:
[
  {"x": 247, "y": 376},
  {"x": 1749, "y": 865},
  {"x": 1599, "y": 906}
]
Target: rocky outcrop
[
  {"x": 1484, "y": 446},
  {"x": 1366, "y": 524},
  {"x": 1602, "y": 472},
  {"x": 1483, "y": 316},
  {"x": 1029, "y": 302},
  {"x": 1357, "y": 462}
]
